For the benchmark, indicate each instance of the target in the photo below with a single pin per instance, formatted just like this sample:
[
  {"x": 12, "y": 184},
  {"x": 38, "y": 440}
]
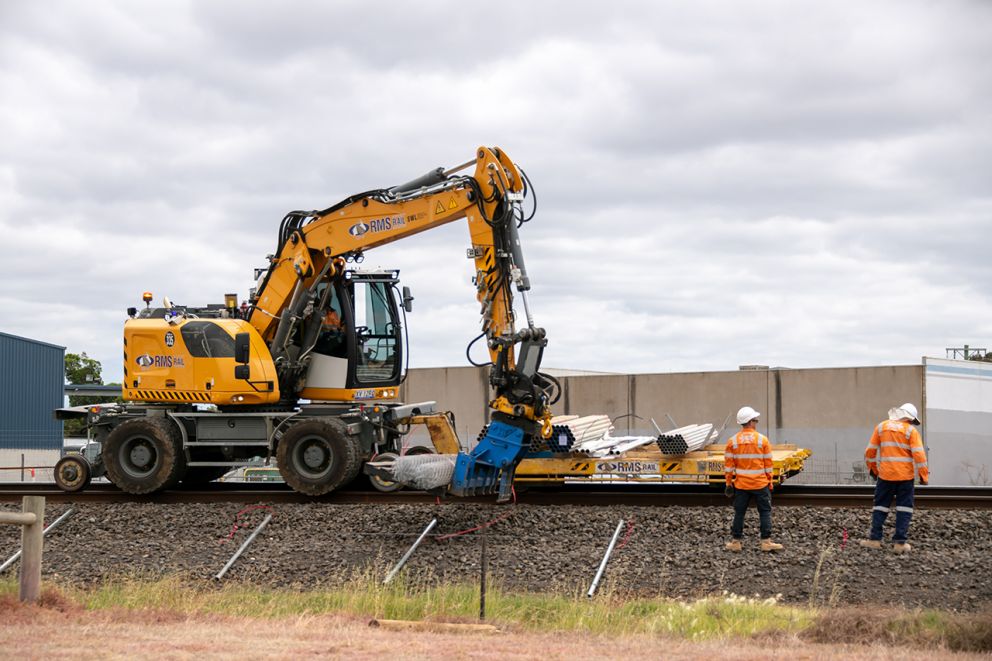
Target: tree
[
  {"x": 80, "y": 369},
  {"x": 985, "y": 357}
]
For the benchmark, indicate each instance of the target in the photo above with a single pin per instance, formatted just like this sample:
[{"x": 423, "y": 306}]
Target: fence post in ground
[
  {"x": 31, "y": 518},
  {"x": 482, "y": 578}
]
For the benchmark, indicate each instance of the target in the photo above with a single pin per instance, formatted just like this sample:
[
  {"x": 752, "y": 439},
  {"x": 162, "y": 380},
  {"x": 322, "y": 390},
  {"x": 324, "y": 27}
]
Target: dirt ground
[{"x": 31, "y": 632}]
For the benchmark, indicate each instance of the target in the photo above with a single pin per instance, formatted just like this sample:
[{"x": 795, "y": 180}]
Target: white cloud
[{"x": 763, "y": 182}]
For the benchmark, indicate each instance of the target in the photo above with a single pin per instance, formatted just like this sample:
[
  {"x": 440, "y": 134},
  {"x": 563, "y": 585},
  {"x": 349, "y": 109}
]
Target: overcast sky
[{"x": 802, "y": 184}]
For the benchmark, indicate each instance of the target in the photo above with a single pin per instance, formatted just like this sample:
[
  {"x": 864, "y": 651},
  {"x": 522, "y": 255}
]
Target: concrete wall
[
  {"x": 463, "y": 390},
  {"x": 830, "y": 411}
]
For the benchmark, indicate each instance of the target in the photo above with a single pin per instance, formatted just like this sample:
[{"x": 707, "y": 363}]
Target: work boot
[
  {"x": 870, "y": 543},
  {"x": 768, "y": 545},
  {"x": 903, "y": 547},
  {"x": 734, "y": 545}
]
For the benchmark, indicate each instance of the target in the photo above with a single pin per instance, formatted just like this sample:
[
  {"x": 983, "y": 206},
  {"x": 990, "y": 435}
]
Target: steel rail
[{"x": 592, "y": 495}]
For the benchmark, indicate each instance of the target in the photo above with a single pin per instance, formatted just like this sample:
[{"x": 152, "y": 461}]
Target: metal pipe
[
  {"x": 406, "y": 556},
  {"x": 606, "y": 558},
  {"x": 54, "y": 524},
  {"x": 251, "y": 538}
]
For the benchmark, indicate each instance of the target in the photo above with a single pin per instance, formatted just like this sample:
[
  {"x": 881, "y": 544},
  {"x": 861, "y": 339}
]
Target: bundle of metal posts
[{"x": 685, "y": 439}]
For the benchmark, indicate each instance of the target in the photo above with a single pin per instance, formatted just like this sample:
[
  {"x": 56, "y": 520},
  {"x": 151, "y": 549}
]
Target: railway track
[{"x": 592, "y": 495}]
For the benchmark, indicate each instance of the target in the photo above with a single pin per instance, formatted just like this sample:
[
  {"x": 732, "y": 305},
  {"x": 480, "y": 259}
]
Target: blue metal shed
[{"x": 32, "y": 376}]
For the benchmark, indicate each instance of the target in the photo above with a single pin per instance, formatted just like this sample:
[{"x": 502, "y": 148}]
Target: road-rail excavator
[{"x": 308, "y": 372}]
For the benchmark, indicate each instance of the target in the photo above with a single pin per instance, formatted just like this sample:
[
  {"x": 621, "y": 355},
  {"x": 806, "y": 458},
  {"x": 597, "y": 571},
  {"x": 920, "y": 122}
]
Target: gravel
[{"x": 668, "y": 551}]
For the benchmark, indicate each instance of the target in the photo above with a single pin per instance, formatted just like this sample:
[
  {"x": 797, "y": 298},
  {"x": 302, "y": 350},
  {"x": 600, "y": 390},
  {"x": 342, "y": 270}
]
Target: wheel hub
[
  {"x": 314, "y": 457},
  {"x": 138, "y": 457}
]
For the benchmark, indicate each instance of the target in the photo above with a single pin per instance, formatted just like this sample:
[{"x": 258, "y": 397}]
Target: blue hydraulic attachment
[{"x": 491, "y": 463}]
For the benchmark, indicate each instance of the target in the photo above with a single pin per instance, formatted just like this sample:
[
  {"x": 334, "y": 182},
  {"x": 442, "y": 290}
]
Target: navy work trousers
[
  {"x": 885, "y": 492},
  {"x": 763, "y": 500}
]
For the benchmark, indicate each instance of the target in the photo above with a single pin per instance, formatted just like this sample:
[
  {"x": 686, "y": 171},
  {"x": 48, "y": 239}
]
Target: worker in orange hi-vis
[
  {"x": 895, "y": 456},
  {"x": 747, "y": 463}
]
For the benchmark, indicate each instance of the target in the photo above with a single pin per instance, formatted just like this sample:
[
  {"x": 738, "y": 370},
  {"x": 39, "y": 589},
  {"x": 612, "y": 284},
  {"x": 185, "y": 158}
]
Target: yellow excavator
[{"x": 307, "y": 372}]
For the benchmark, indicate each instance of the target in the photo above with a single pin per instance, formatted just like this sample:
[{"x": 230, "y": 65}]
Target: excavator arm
[
  {"x": 314, "y": 247},
  {"x": 317, "y": 244}
]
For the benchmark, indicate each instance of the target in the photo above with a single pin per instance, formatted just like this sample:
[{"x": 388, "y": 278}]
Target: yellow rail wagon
[{"x": 648, "y": 465}]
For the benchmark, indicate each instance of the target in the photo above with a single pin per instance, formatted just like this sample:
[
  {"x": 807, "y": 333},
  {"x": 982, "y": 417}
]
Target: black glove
[
  {"x": 924, "y": 482},
  {"x": 873, "y": 475},
  {"x": 729, "y": 491}
]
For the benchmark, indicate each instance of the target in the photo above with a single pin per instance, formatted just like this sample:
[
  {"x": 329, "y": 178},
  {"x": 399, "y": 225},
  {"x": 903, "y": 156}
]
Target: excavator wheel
[
  {"x": 144, "y": 455},
  {"x": 73, "y": 473},
  {"x": 317, "y": 456}
]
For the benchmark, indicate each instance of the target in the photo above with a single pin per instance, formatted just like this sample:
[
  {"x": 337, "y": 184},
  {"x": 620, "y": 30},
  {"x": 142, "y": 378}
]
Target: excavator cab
[{"x": 358, "y": 352}]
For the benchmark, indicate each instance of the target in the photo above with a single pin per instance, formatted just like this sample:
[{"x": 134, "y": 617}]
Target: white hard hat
[
  {"x": 746, "y": 415},
  {"x": 905, "y": 412}
]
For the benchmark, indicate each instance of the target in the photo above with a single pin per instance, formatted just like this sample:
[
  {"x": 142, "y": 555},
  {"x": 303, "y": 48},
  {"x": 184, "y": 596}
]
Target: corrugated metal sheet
[{"x": 31, "y": 382}]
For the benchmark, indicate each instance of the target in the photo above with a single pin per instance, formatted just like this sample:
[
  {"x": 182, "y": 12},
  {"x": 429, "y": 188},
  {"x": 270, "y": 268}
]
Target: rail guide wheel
[{"x": 73, "y": 473}]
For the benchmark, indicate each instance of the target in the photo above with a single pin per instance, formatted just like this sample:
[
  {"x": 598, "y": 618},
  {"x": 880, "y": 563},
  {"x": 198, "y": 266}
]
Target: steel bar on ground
[
  {"x": 54, "y": 524},
  {"x": 406, "y": 556},
  {"x": 606, "y": 558},
  {"x": 251, "y": 538}
]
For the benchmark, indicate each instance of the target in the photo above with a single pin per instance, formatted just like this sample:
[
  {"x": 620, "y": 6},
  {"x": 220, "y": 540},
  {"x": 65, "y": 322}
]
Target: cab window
[{"x": 205, "y": 339}]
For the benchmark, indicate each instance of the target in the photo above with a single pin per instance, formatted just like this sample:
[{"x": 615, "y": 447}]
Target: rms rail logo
[
  {"x": 627, "y": 467},
  {"x": 358, "y": 229},
  {"x": 383, "y": 224},
  {"x": 146, "y": 360}
]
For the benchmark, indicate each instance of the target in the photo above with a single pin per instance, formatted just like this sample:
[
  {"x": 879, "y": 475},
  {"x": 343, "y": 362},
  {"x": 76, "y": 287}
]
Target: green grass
[{"x": 714, "y": 617}]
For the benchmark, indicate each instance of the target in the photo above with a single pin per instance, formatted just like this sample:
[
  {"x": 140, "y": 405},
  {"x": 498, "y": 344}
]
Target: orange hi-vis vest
[
  {"x": 747, "y": 461},
  {"x": 895, "y": 452}
]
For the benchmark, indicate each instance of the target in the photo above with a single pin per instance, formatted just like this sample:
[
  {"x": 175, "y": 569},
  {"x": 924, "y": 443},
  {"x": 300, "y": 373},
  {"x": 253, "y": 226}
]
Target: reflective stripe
[
  {"x": 922, "y": 463},
  {"x": 900, "y": 508},
  {"x": 907, "y": 460},
  {"x": 896, "y": 444},
  {"x": 750, "y": 471},
  {"x": 880, "y": 508},
  {"x": 753, "y": 456},
  {"x": 879, "y": 429}
]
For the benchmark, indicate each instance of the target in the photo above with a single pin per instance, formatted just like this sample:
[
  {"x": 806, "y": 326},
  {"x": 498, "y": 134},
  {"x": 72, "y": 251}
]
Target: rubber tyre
[
  {"x": 73, "y": 473},
  {"x": 317, "y": 456},
  {"x": 144, "y": 455}
]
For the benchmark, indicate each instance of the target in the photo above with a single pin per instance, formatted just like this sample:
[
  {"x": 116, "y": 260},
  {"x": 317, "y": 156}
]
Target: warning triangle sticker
[
  {"x": 452, "y": 204},
  {"x": 439, "y": 208}
]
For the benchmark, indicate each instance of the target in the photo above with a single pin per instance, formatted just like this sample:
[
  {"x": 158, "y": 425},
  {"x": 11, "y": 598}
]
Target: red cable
[
  {"x": 630, "y": 531},
  {"x": 843, "y": 540},
  {"x": 478, "y": 527},
  {"x": 236, "y": 526}
]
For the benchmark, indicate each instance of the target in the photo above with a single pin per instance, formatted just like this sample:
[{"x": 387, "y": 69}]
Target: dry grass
[
  {"x": 928, "y": 629},
  {"x": 170, "y": 618}
]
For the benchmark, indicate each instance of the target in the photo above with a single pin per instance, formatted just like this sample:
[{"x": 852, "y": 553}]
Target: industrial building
[
  {"x": 31, "y": 387},
  {"x": 830, "y": 411}
]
